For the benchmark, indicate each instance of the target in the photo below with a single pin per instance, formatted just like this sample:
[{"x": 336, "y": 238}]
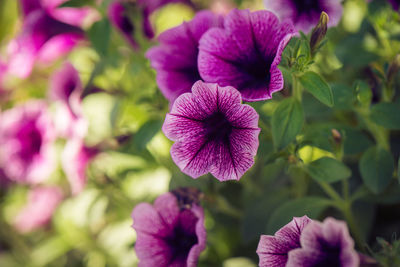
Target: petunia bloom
[
  {"x": 246, "y": 53},
  {"x": 26, "y": 139},
  {"x": 325, "y": 244},
  {"x": 120, "y": 20},
  {"x": 213, "y": 131},
  {"x": 305, "y": 13},
  {"x": 395, "y": 4},
  {"x": 150, "y": 6},
  {"x": 175, "y": 59},
  {"x": 171, "y": 232},
  {"x": 66, "y": 89},
  {"x": 48, "y": 32},
  {"x": 273, "y": 250},
  {"x": 75, "y": 159},
  {"x": 41, "y": 204}
]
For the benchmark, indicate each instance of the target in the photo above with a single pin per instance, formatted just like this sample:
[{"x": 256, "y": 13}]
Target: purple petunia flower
[
  {"x": 273, "y": 250},
  {"x": 246, "y": 53},
  {"x": 171, "y": 232},
  {"x": 47, "y": 33},
  {"x": 26, "y": 138},
  {"x": 66, "y": 88},
  {"x": 42, "y": 202},
  {"x": 325, "y": 244},
  {"x": 213, "y": 131},
  {"x": 305, "y": 13},
  {"x": 75, "y": 159},
  {"x": 395, "y": 4},
  {"x": 150, "y": 6},
  {"x": 120, "y": 20},
  {"x": 175, "y": 59}
]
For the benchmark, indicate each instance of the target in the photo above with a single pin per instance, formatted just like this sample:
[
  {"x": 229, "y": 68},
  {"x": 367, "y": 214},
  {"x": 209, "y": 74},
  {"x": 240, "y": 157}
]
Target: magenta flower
[
  {"x": 26, "y": 138},
  {"x": 150, "y": 6},
  {"x": 213, "y": 131},
  {"x": 47, "y": 33},
  {"x": 42, "y": 202},
  {"x": 246, "y": 53},
  {"x": 75, "y": 159},
  {"x": 395, "y": 4},
  {"x": 120, "y": 20},
  {"x": 175, "y": 59},
  {"x": 170, "y": 233},
  {"x": 66, "y": 88},
  {"x": 305, "y": 13},
  {"x": 273, "y": 250},
  {"x": 324, "y": 244}
]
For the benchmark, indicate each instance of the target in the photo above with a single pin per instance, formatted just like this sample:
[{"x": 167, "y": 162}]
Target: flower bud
[
  {"x": 319, "y": 32},
  {"x": 337, "y": 137}
]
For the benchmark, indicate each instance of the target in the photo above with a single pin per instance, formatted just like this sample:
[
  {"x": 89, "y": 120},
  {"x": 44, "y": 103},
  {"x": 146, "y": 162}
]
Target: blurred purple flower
[
  {"x": 120, "y": 20},
  {"x": 48, "y": 32},
  {"x": 305, "y": 13},
  {"x": 169, "y": 233},
  {"x": 4, "y": 180},
  {"x": 213, "y": 131},
  {"x": 26, "y": 138},
  {"x": 41, "y": 204},
  {"x": 66, "y": 88},
  {"x": 150, "y": 6},
  {"x": 246, "y": 53},
  {"x": 75, "y": 159},
  {"x": 175, "y": 59},
  {"x": 324, "y": 244},
  {"x": 273, "y": 250},
  {"x": 395, "y": 4}
]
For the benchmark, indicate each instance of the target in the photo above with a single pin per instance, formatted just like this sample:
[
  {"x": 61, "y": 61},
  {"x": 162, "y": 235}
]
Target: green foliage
[
  {"x": 99, "y": 35},
  {"x": 314, "y": 84},
  {"x": 376, "y": 167},
  {"x": 328, "y": 170},
  {"x": 387, "y": 115},
  {"x": 286, "y": 122}
]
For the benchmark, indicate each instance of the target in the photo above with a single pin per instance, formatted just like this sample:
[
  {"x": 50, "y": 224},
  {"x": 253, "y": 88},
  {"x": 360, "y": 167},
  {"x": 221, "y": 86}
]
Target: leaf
[
  {"x": 287, "y": 122},
  {"x": 146, "y": 133},
  {"x": 77, "y": 3},
  {"x": 310, "y": 206},
  {"x": 376, "y": 167},
  {"x": 386, "y": 115},
  {"x": 315, "y": 85},
  {"x": 99, "y": 35},
  {"x": 328, "y": 170}
]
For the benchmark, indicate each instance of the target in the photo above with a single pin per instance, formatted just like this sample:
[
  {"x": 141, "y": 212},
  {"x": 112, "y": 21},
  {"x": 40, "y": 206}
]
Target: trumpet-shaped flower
[
  {"x": 246, "y": 53},
  {"x": 213, "y": 131},
  {"x": 117, "y": 14},
  {"x": 305, "y": 13},
  {"x": 273, "y": 250},
  {"x": 175, "y": 59},
  {"x": 169, "y": 233}
]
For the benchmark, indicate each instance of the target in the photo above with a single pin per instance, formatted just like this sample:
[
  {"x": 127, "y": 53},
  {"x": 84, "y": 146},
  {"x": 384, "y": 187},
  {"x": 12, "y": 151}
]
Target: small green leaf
[
  {"x": 286, "y": 122},
  {"x": 310, "y": 206},
  {"x": 99, "y": 35},
  {"x": 77, "y": 3},
  {"x": 146, "y": 133},
  {"x": 328, "y": 170},
  {"x": 315, "y": 85},
  {"x": 387, "y": 115},
  {"x": 376, "y": 167}
]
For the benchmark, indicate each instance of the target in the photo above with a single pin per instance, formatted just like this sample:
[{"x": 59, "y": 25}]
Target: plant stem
[
  {"x": 296, "y": 88},
  {"x": 348, "y": 215}
]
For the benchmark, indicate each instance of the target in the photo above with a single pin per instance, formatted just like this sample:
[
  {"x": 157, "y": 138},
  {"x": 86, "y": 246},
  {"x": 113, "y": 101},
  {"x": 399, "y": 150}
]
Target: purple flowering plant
[{"x": 199, "y": 133}]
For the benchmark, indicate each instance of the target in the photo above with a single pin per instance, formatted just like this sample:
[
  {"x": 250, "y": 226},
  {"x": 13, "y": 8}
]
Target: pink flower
[
  {"x": 26, "y": 138},
  {"x": 42, "y": 202}
]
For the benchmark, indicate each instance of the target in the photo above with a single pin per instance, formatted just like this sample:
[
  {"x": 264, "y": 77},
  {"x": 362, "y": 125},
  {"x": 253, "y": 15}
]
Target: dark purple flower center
[
  {"x": 30, "y": 140},
  {"x": 305, "y": 6},
  {"x": 126, "y": 25},
  {"x": 217, "y": 127},
  {"x": 330, "y": 256},
  {"x": 69, "y": 88}
]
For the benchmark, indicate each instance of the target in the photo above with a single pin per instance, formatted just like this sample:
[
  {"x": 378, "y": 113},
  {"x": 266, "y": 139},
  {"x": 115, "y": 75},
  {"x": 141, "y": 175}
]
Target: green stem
[
  {"x": 330, "y": 191},
  {"x": 354, "y": 229},
  {"x": 296, "y": 88},
  {"x": 380, "y": 134}
]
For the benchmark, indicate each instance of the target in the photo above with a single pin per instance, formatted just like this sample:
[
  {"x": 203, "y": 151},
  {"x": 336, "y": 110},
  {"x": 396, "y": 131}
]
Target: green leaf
[
  {"x": 287, "y": 122},
  {"x": 315, "y": 85},
  {"x": 387, "y": 115},
  {"x": 146, "y": 133},
  {"x": 310, "y": 206},
  {"x": 99, "y": 35},
  {"x": 376, "y": 167},
  {"x": 328, "y": 170},
  {"x": 77, "y": 3}
]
